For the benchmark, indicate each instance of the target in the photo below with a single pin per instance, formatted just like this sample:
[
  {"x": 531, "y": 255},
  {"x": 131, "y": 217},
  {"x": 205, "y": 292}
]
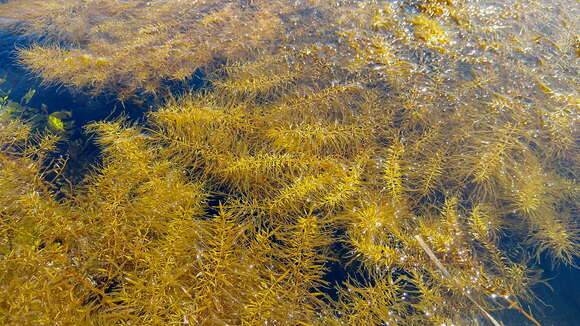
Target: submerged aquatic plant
[
  {"x": 387, "y": 143},
  {"x": 92, "y": 44}
]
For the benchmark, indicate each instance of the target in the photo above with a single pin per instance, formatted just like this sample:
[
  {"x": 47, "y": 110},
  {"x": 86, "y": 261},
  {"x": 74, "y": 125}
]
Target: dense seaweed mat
[{"x": 427, "y": 151}]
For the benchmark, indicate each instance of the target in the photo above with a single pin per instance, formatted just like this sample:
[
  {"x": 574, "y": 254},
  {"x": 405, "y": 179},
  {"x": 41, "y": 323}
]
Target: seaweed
[{"x": 385, "y": 140}]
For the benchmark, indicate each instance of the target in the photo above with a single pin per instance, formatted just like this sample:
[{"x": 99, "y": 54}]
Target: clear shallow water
[{"x": 564, "y": 299}]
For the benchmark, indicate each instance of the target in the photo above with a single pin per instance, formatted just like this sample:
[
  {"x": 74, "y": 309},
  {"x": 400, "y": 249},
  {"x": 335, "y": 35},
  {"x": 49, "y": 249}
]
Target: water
[{"x": 470, "y": 80}]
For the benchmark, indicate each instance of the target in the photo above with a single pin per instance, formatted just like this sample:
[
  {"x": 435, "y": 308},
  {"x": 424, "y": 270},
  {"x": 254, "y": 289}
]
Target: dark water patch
[
  {"x": 86, "y": 108},
  {"x": 18, "y": 82},
  {"x": 78, "y": 148},
  {"x": 562, "y": 297}
]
